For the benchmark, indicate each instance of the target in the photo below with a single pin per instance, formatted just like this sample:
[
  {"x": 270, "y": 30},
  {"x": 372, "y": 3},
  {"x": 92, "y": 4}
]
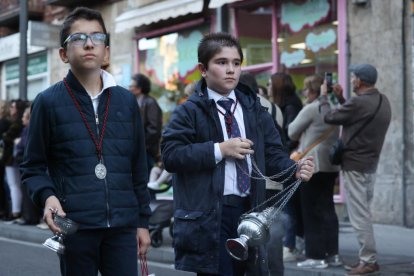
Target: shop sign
[
  {"x": 10, "y": 47},
  {"x": 298, "y": 16},
  {"x": 36, "y": 65},
  {"x": 45, "y": 35},
  {"x": 317, "y": 42}
]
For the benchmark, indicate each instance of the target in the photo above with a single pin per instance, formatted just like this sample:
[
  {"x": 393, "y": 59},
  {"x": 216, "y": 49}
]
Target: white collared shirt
[
  {"x": 230, "y": 179},
  {"x": 107, "y": 81}
]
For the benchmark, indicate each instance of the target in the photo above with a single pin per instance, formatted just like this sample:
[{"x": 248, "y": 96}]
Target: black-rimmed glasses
[{"x": 79, "y": 39}]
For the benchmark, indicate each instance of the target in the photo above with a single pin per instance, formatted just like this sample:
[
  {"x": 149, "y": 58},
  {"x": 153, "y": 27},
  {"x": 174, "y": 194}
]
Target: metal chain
[{"x": 284, "y": 195}]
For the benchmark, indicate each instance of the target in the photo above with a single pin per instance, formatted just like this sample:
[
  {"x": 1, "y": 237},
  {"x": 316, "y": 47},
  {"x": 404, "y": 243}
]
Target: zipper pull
[{"x": 96, "y": 119}]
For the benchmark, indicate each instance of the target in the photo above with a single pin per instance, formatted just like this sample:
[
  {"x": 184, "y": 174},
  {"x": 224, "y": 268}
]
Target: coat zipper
[{"x": 106, "y": 184}]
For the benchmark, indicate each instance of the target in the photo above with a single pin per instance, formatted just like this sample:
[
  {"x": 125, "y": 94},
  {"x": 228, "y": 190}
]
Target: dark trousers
[
  {"x": 293, "y": 222},
  {"x": 4, "y": 194},
  {"x": 232, "y": 210},
  {"x": 319, "y": 217},
  {"x": 112, "y": 251}
]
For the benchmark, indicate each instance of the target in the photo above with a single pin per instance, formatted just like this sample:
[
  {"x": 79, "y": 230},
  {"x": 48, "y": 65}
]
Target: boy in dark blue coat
[
  {"x": 211, "y": 144},
  {"x": 85, "y": 157}
]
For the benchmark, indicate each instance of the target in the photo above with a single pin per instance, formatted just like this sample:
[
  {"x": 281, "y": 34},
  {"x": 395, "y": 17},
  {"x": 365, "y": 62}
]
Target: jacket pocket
[{"x": 194, "y": 231}]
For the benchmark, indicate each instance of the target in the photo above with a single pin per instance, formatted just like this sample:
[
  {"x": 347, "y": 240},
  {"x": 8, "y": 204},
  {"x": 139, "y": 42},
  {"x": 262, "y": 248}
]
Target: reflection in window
[
  {"x": 170, "y": 61},
  {"x": 307, "y": 39}
]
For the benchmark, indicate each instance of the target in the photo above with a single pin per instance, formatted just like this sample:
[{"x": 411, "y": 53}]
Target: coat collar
[
  {"x": 244, "y": 95},
  {"x": 107, "y": 80}
]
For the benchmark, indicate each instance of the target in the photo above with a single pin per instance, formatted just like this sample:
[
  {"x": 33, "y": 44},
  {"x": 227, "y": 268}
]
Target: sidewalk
[{"x": 395, "y": 247}]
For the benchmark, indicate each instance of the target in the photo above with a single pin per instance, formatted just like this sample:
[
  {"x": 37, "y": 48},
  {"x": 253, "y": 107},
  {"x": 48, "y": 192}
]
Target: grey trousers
[{"x": 359, "y": 190}]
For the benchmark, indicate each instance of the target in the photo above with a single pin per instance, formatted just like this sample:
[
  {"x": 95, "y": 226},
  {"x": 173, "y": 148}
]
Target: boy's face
[
  {"x": 89, "y": 55},
  {"x": 223, "y": 71}
]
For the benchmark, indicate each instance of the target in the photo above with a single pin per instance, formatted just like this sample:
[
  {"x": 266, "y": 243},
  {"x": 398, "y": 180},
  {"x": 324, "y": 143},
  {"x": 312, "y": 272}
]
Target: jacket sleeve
[
  {"x": 181, "y": 150},
  {"x": 343, "y": 115},
  {"x": 34, "y": 165},
  {"x": 140, "y": 170},
  {"x": 300, "y": 124}
]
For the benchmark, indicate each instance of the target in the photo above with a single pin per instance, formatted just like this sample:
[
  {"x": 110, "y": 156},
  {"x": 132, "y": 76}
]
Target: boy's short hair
[
  {"x": 212, "y": 43},
  {"x": 76, "y": 14},
  {"x": 142, "y": 82}
]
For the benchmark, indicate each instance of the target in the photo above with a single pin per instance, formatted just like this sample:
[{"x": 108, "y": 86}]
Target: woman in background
[
  {"x": 17, "y": 108},
  {"x": 320, "y": 221},
  {"x": 283, "y": 93}
]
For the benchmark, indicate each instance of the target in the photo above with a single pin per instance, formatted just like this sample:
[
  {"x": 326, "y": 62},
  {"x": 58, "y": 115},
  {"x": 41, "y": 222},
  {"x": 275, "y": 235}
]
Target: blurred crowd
[{"x": 15, "y": 205}]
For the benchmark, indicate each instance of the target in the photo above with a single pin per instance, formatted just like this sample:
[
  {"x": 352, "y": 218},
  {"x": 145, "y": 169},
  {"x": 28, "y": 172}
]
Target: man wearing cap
[{"x": 368, "y": 114}]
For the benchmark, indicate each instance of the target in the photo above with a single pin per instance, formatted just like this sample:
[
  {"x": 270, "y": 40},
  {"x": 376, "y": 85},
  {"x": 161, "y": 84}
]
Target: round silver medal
[{"x": 100, "y": 171}]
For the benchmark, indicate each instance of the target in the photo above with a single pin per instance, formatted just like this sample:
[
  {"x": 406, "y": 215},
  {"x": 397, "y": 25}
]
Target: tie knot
[{"x": 226, "y": 104}]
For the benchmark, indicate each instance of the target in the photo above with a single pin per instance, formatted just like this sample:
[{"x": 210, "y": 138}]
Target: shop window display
[
  {"x": 171, "y": 63},
  {"x": 307, "y": 38}
]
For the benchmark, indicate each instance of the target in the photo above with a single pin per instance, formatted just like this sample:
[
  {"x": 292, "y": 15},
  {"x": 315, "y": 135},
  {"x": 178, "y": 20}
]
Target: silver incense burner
[
  {"x": 67, "y": 227},
  {"x": 253, "y": 230}
]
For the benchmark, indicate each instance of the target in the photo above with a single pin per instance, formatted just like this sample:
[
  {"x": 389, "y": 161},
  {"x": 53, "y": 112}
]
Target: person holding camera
[
  {"x": 365, "y": 118},
  {"x": 320, "y": 222}
]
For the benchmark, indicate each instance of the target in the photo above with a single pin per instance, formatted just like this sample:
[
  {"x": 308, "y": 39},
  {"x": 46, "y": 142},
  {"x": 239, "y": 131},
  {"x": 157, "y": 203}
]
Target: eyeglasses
[{"x": 79, "y": 39}]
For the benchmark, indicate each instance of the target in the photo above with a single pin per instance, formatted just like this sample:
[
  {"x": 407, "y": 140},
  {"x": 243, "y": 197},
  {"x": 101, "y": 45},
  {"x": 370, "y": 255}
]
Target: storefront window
[
  {"x": 171, "y": 63},
  {"x": 307, "y": 39},
  {"x": 254, "y": 27}
]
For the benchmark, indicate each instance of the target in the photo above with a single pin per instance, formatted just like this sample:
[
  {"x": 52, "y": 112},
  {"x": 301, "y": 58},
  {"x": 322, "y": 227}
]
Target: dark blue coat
[
  {"x": 188, "y": 151},
  {"x": 60, "y": 157}
]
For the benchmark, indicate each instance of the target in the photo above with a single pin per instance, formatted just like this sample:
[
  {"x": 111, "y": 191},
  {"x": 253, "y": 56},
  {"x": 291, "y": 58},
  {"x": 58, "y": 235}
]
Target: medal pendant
[{"x": 100, "y": 171}]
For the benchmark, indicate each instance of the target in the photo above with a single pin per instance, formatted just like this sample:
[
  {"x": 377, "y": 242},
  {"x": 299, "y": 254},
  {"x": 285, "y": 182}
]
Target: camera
[{"x": 328, "y": 78}]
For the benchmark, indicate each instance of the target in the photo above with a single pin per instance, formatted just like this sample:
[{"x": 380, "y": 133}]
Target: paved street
[
  {"x": 26, "y": 259},
  {"x": 19, "y": 258},
  {"x": 395, "y": 253}
]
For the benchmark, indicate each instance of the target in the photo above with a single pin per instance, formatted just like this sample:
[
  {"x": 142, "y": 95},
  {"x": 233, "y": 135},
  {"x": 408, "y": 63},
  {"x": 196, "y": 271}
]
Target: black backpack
[{"x": 279, "y": 129}]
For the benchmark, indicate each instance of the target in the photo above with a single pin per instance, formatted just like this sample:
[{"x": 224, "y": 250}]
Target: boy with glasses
[{"x": 85, "y": 157}]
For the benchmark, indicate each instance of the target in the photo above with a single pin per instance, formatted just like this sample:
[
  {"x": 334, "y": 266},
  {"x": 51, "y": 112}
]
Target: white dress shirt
[
  {"x": 107, "y": 81},
  {"x": 230, "y": 179}
]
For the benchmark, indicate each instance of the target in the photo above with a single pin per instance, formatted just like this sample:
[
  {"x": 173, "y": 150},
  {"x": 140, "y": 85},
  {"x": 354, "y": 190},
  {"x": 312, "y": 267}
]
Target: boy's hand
[
  {"x": 236, "y": 148},
  {"x": 144, "y": 240},
  {"x": 305, "y": 169},
  {"x": 52, "y": 206}
]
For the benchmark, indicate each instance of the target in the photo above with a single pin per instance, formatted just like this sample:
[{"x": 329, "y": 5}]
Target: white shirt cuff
[{"x": 217, "y": 153}]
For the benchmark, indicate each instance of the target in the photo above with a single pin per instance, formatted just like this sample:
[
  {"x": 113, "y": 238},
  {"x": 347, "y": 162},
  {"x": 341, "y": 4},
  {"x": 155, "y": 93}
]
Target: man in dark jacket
[
  {"x": 85, "y": 157},
  {"x": 151, "y": 115},
  {"x": 211, "y": 149},
  {"x": 368, "y": 114}
]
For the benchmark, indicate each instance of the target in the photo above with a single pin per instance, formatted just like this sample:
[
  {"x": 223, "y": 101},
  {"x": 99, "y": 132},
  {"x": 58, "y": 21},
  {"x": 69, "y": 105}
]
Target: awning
[
  {"x": 155, "y": 12},
  {"x": 218, "y": 3}
]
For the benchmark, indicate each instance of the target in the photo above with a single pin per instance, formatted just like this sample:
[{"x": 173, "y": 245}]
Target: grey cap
[{"x": 365, "y": 72}]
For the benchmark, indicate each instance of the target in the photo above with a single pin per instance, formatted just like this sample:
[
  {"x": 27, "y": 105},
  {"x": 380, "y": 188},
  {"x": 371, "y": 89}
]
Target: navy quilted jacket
[
  {"x": 60, "y": 157},
  {"x": 188, "y": 151}
]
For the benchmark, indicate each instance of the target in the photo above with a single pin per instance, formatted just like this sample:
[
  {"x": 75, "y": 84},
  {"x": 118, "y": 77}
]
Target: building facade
[{"x": 300, "y": 37}]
